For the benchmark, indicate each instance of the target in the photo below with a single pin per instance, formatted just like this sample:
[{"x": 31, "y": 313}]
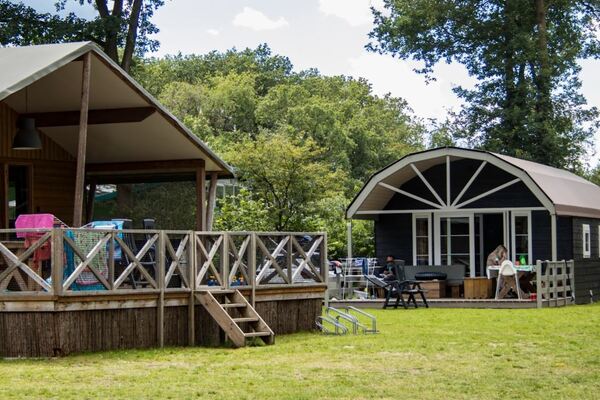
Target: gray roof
[
  {"x": 51, "y": 70},
  {"x": 558, "y": 190}
]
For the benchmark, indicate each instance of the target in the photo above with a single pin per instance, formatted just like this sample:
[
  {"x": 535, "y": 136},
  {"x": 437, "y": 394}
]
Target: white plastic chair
[{"x": 506, "y": 276}]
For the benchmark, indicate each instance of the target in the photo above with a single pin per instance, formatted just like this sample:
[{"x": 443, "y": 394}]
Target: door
[
  {"x": 16, "y": 193},
  {"x": 455, "y": 242}
]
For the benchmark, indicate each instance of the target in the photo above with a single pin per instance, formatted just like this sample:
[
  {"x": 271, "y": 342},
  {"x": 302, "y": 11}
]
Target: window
[
  {"x": 455, "y": 243},
  {"x": 521, "y": 238},
  {"x": 587, "y": 242},
  {"x": 421, "y": 240}
]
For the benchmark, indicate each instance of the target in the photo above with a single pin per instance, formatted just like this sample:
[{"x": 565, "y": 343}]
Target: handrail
[
  {"x": 155, "y": 257},
  {"x": 338, "y": 326}
]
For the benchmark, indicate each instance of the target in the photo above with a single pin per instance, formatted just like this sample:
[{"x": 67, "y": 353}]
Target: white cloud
[
  {"x": 212, "y": 32},
  {"x": 390, "y": 75},
  {"x": 256, "y": 20},
  {"x": 354, "y": 12}
]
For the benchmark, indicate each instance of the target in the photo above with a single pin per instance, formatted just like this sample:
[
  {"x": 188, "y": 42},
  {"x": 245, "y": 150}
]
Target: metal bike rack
[
  {"x": 322, "y": 322},
  {"x": 339, "y": 314},
  {"x": 363, "y": 327}
]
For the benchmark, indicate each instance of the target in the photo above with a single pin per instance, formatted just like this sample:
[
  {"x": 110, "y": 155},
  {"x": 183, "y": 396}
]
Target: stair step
[
  {"x": 256, "y": 334},
  {"x": 233, "y": 305},
  {"x": 245, "y": 319},
  {"x": 220, "y": 291}
]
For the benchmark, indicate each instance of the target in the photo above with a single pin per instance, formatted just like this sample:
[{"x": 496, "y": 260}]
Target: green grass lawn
[{"x": 424, "y": 353}]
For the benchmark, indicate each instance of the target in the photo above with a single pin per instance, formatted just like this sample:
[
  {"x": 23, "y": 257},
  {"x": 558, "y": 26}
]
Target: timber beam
[{"x": 95, "y": 117}]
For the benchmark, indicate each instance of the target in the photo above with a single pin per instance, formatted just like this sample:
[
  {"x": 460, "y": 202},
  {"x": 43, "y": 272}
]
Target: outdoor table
[{"x": 522, "y": 270}]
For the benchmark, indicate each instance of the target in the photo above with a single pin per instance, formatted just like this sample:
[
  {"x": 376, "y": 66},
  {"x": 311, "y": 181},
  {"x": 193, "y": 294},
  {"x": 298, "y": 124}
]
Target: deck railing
[
  {"x": 85, "y": 262},
  {"x": 555, "y": 283}
]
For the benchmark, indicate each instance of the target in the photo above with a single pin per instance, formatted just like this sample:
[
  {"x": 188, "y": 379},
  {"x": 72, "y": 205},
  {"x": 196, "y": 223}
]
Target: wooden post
[
  {"x": 160, "y": 280},
  {"x": 82, "y": 140},
  {"x": 4, "y": 191},
  {"x": 89, "y": 202},
  {"x": 252, "y": 266},
  {"x": 111, "y": 261},
  {"x": 290, "y": 259},
  {"x": 212, "y": 198},
  {"x": 192, "y": 280},
  {"x": 538, "y": 283},
  {"x": 57, "y": 263},
  {"x": 325, "y": 267},
  {"x": 201, "y": 199},
  {"x": 225, "y": 260}
]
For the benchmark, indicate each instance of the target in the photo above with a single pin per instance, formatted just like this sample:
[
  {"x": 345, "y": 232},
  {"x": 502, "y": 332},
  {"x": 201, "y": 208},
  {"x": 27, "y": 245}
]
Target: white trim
[
  {"x": 505, "y": 225},
  {"x": 553, "y": 237},
  {"x": 414, "y": 236},
  {"x": 448, "y": 189},
  {"x": 513, "y": 251},
  {"x": 476, "y": 210},
  {"x": 431, "y": 189},
  {"x": 453, "y": 152},
  {"x": 349, "y": 239},
  {"x": 437, "y": 251},
  {"x": 482, "y": 256},
  {"x": 492, "y": 191},
  {"x": 469, "y": 183},
  {"x": 407, "y": 194},
  {"x": 586, "y": 243}
]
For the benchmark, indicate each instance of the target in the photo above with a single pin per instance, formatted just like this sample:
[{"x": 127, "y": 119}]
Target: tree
[
  {"x": 124, "y": 25},
  {"x": 287, "y": 176},
  {"x": 524, "y": 53}
]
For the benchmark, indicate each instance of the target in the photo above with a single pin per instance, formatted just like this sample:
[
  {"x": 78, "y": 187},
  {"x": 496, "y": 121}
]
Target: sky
[{"x": 329, "y": 35}]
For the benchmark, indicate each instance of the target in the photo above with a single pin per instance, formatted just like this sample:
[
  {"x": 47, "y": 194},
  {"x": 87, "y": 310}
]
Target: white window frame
[
  {"x": 438, "y": 248},
  {"x": 585, "y": 228},
  {"x": 513, "y": 236},
  {"x": 414, "y": 236}
]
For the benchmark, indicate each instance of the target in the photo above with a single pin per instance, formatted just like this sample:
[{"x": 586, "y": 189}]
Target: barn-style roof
[
  {"x": 45, "y": 80},
  {"x": 559, "y": 191}
]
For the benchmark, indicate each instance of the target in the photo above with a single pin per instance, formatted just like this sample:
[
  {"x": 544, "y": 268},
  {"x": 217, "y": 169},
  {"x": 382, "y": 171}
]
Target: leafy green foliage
[
  {"x": 524, "y": 53},
  {"x": 242, "y": 212},
  {"x": 119, "y": 25},
  {"x": 302, "y": 144}
]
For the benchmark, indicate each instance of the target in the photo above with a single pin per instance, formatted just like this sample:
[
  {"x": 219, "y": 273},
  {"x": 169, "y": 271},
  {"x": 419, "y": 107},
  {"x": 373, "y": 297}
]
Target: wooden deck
[
  {"x": 151, "y": 296},
  {"x": 442, "y": 303}
]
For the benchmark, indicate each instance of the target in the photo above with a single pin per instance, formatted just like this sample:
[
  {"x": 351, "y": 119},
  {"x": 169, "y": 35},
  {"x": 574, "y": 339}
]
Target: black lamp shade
[{"x": 27, "y": 137}]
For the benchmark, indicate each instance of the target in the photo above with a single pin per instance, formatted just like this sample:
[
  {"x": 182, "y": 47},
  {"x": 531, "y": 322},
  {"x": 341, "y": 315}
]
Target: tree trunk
[
  {"x": 543, "y": 82},
  {"x": 134, "y": 19},
  {"x": 509, "y": 123},
  {"x": 112, "y": 26}
]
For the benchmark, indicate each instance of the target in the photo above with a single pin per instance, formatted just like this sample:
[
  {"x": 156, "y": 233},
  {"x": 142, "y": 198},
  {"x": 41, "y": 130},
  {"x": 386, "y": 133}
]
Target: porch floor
[{"x": 440, "y": 303}]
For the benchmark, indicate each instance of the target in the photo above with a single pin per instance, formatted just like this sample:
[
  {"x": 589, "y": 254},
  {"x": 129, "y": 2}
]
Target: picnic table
[{"x": 522, "y": 271}]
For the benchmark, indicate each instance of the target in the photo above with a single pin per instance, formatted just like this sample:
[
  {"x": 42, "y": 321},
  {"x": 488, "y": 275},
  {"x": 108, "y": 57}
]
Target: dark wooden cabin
[{"x": 454, "y": 206}]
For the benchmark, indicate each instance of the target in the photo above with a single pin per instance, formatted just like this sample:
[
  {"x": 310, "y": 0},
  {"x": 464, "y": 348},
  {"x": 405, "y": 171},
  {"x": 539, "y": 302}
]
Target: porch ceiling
[{"x": 51, "y": 81}]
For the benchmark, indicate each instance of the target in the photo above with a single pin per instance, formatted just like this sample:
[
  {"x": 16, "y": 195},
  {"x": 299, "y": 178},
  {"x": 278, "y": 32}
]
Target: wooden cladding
[{"x": 8, "y": 125}]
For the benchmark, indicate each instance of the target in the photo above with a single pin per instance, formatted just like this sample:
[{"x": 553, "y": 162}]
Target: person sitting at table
[{"x": 497, "y": 256}]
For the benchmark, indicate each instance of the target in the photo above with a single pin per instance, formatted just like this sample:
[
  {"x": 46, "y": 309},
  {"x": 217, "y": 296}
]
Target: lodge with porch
[
  {"x": 445, "y": 210},
  {"x": 70, "y": 120}
]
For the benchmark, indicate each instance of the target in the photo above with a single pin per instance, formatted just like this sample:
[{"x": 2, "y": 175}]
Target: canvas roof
[
  {"x": 559, "y": 190},
  {"x": 49, "y": 76}
]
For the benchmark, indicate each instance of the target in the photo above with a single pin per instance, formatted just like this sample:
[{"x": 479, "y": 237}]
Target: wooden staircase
[{"x": 235, "y": 316}]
